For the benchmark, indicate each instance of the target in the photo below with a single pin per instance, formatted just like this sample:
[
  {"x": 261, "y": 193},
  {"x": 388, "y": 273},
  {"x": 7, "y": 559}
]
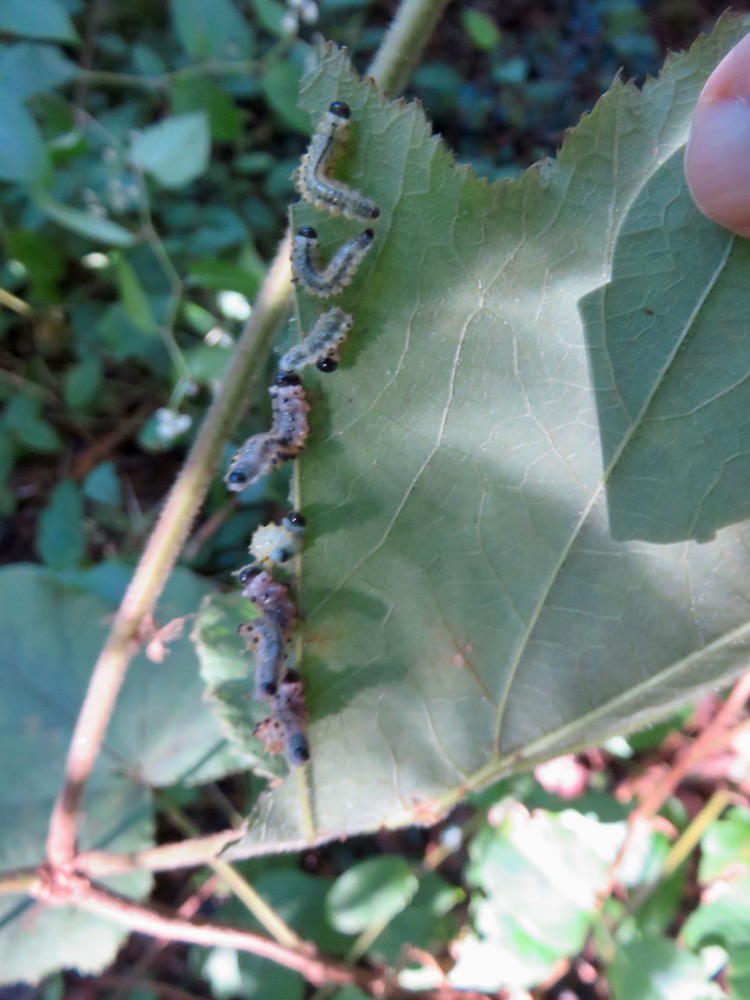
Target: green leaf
[
  {"x": 95, "y": 227},
  {"x": 43, "y": 260},
  {"x": 370, "y": 893},
  {"x": 724, "y": 920},
  {"x": 198, "y": 94},
  {"x": 482, "y": 30},
  {"x": 23, "y": 156},
  {"x": 466, "y": 607},
  {"x": 280, "y": 84},
  {"x": 134, "y": 299},
  {"x": 27, "y": 69},
  {"x": 175, "y": 151},
  {"x": 37, "y": 19},
  {"x": 725, "y": 845},
  {"x": 211, "y": 29},
  {"x": 539, "y": 857},
  {"x": 61, "y": 538},
  {"x": 658, "y": 970},
  {"x": 102, "y": 484},
  {"x": 23, "y": 418},
  {"x": 224, "y": 276},
  {"x": 82, "y": 383},
  {"x": 160, "y": 733}
]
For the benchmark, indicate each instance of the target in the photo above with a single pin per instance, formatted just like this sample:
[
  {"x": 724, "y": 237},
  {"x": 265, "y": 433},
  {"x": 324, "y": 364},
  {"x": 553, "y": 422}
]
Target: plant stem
[
  {"x": 161, "y": 553},
  {"x": 404, "y": 43}
]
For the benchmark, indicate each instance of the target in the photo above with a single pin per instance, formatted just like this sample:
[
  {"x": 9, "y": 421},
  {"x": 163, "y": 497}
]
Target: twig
[{"x": 161, "y": 553}]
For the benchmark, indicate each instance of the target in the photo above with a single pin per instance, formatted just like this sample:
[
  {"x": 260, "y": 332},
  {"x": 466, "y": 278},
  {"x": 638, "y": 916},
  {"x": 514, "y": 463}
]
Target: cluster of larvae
[{"x": 274, "y": 544}]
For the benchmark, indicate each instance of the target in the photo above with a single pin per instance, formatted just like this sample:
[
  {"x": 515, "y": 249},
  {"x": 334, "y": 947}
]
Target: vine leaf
[
  {"x": 474, "y": 599},
  {"x": 160, "y": 734}
]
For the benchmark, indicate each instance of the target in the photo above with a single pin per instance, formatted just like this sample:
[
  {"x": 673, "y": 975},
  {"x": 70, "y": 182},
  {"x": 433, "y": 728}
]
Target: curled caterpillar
[
  {"x": 265, "y": 638},
  {"x": 277, "y": 543},
  {"x": 325, "y": 282},
  {"x": 312, "y": 178},
  {"x": 253, "y": 460},
  {"x": 321, "y": 345},
  {"x": 270, "y": 596},
  {"x": 289, "y": 408}
]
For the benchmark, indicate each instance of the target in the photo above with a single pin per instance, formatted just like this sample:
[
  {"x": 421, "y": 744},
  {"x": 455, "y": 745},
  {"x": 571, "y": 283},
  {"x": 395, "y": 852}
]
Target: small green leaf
[
  {"x": 102, "y": 485},
  {"x": 23, "y": 418},
  {"x": 134, "y": 299},
  {"x": 27, "y": 69},
  {"x": 37, "y": 19},
  {"x": 43, "y": 260},
  {"x": 370, "y": 892},
  {"x": 60, "y": 537},
  {"x": 93, "y": 226},
  {"x": 224, "y": 276},
  {"x": 482, "y": 30},
  {"x": 82, "y": 382},
  {"x": 212, "y": 29},
  {"x": 280, "y": 85},
  {"x": 23, "y": 155},
  {"x": 272, "y": 16},
  {"x": 725, "y": 845},
  {"x": 175, "y": 151},
  {"x": 657, "y": 969},
  {"x": 198, "y": 94}
]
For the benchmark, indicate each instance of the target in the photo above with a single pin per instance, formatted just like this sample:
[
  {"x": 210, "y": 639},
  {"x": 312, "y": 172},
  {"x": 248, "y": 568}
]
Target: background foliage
[{"x": 145, "y": 160}]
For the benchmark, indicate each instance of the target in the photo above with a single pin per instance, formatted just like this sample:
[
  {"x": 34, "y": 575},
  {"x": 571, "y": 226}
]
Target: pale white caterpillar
[
  {"x": 312, "y": 178},
  {"x": 289, "y": 408},
  {"x": 253, "y": 460},
  {"x": 270, "y": 596},
  {"x": 277, "y": 543},
  {"x": 290, "y": 712},
  {"x": 331, "y": 280},
  {"x": 322, "y": 344},
  {"x": 265, "y": 638}
]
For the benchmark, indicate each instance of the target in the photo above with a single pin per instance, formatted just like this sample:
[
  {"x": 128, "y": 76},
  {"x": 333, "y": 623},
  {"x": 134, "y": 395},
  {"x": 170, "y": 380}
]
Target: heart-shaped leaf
[{"x": 467, "y": 607}]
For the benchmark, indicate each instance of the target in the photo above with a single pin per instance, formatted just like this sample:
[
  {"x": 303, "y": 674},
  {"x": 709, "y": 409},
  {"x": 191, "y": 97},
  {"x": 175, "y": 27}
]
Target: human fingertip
[{"x": 717, "y": 157}]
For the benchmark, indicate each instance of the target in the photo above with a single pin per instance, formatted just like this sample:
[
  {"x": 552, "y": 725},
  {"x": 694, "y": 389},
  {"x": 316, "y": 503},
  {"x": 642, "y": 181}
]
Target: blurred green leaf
[
  {"x": 95, "y": 227},
  {"x": 134, "y": 300},
  {"x": 27, "y": 69},
  {"x": 280, "y": 84},
  {"x": 212, "y": 29},
  {"x": 272, "y": 16},
  {"x": 482, "y": 30},
  {"x": 159, "y": 734},
  {"x": 725, "y": 845},
  {"x": 23, "y": 156},
  {"x": 424, "y": 923},
  {"x": 563, "y": 860},
  {"x": 194, "y": 94},
  {"x": 61, "y": 539},
  {"x": 370, "y": 892},
  {"x": 37, "y": 19},
  {"x": 23, "y": 418},
  {"x": 658, "y": 970},
  {"x": 221, "y": 275},
  {"x": 175, "y": 151},
  {"x": 43, "y": 260},
  {"x": 724, "y": 919},
  {"x": 102, "y": 485},
  {"x": 82, "y": 383}
]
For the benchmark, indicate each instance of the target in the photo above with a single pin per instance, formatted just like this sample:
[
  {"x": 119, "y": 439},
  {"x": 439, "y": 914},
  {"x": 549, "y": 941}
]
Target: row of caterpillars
[{"x": 274, "y": 544}]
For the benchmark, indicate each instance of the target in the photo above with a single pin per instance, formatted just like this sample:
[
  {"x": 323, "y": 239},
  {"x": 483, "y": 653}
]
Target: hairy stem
[
  {"x": 161, "y": 553},
  {"x": 404, "y": 43}
]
